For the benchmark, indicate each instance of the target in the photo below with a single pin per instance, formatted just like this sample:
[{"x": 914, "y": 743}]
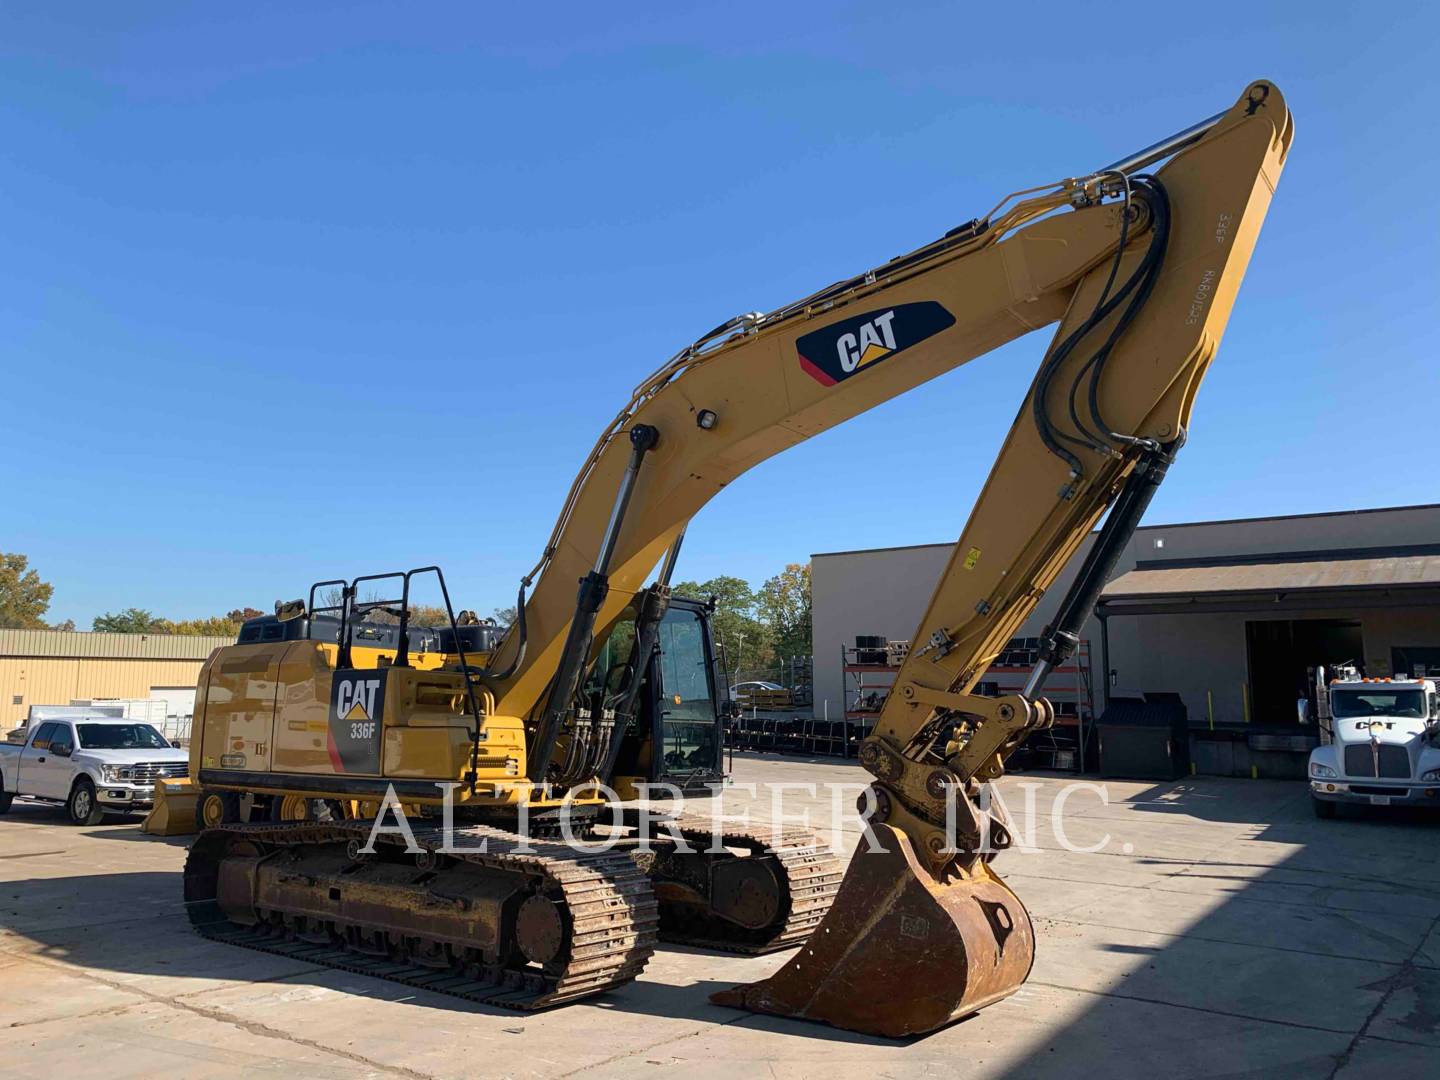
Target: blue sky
[{"x": 292, "y": 291}]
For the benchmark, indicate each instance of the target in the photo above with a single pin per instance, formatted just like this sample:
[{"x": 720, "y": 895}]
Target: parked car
[
  {"x": 92, "y": 765},
  {"x": 743, "y": 688}
]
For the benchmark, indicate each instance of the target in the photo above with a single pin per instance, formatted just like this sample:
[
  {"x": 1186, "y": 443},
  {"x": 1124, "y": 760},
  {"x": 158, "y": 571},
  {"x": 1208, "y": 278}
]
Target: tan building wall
[{"x": 42, "y": 667}]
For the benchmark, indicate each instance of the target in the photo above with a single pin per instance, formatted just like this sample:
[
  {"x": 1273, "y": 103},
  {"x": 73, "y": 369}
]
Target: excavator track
[
  {"x": 804, "y": 873},
  {"x": 547, "y": 925}
]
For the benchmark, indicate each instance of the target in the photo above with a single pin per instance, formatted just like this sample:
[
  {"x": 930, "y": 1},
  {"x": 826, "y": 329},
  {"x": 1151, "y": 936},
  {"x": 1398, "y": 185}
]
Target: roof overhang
[{"x": 1284, "y": 582}]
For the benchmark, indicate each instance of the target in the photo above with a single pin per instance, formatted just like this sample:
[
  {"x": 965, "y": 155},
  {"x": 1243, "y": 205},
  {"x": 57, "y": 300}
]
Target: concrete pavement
[{"x": 1216, "y": 929}]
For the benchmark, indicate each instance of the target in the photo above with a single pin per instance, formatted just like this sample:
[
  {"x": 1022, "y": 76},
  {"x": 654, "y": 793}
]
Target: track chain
[
  {"x": 812, "y": 873},
  {"x": 613, "y": 912}
]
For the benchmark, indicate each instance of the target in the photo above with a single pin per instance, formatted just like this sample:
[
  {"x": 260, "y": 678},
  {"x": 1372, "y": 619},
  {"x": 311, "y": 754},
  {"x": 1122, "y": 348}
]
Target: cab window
[
  {"x": 684, "y": 667},
  {"x": 43, "y": 736},
  {"x": 689, "y": 731},
  {"x": 608, "y": 671}
]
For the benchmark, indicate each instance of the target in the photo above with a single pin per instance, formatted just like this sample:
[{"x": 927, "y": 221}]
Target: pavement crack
[
  {"x": 1188, "y": 1008},
  {"x": 108, "y": 1010},
  {"x": 250, "y": 1027},
  {"x": 655, "y": 1045},
  {"x": 1223, "y": 941},
  {"x": 1405, "y": 976}
]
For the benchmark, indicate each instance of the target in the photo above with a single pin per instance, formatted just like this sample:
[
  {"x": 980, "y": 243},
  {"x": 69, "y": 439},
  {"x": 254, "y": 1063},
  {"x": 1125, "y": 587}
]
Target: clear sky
[{"x": 304, "y": 290}]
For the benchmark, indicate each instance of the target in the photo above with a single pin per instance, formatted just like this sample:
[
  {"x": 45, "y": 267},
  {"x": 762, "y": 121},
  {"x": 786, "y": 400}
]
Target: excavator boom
[
  {"x": 316, "y": 713},
  {"x": 1140, "y": 270}
]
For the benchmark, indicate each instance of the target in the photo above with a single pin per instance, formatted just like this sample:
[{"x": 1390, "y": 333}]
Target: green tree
[
  {"x": 745, "y": 639},
  {"x": 130, "y": 621},
  {"x": 783, "y": 603},
  {"x": 23, "y": 596}
]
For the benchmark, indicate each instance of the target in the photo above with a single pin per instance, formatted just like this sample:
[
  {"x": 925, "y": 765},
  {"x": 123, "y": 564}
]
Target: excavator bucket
[
  {"x": 899, "y": 953},
  {"x": 174, "y": 811}
]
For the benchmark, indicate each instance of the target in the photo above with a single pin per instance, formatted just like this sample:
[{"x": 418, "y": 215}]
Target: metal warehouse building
[
  {"x": 52, "y": 667},
  {"x": 1228, "y": 615}
]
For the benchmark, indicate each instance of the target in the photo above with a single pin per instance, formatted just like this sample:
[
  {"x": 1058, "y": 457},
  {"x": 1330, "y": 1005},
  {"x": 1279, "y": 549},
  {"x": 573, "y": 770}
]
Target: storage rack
[
  {"x": 1069, "y": 688},
  {"x": 869, "y": 667}
]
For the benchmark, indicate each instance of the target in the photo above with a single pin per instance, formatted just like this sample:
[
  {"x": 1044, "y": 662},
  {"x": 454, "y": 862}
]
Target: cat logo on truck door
[
  {"x": 357, "y": 712},
  {"x": 852, "y": 345}
]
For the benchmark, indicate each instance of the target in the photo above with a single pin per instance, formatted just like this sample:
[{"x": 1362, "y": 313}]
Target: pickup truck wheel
[
  {"x": 5, "y": 799},
  {"x": 217, "y": 808},
  {"x": 1322, "y": 807},
  {"x": 84, "y": 807}
]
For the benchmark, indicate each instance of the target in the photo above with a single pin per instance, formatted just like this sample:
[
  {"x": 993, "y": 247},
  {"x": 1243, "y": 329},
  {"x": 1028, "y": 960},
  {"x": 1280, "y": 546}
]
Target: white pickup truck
[
  {"x": 93, "y": 765},
  {"x": 1382, "y": 745}
]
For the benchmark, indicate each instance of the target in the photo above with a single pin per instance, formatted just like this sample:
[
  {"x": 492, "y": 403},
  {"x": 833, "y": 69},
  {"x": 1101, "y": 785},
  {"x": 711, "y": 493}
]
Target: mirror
[
  {"x": 61, "y": 749},
  {"x": 285, "y": 610}
]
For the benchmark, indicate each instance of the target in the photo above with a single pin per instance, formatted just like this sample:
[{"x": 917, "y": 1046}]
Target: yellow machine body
[
  {"x": 267, "y": 724},
  {"x": 1138, "y": 270}
]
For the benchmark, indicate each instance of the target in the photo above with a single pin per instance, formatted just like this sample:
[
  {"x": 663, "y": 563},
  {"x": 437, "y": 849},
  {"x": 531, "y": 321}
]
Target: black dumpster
[{"x": 1144, "y": 739}]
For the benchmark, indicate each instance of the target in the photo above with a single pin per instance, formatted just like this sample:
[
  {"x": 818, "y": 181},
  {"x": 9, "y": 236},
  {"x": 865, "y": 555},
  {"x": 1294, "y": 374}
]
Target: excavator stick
[
  {"x": 922, "y": 932},
  {"x": 899, "y": 953}
]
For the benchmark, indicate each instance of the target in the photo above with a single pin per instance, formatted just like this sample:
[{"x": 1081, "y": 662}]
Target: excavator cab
[{"x": 677, "y": 733}]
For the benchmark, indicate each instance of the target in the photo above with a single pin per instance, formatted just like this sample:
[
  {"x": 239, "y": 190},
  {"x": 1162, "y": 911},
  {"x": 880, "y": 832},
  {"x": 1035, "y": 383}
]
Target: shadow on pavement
[{"x": 1318, "y": 955}]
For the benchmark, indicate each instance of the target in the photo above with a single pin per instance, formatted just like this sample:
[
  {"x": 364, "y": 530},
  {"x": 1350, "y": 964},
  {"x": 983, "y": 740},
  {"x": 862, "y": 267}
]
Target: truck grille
[
  {"x": 149, "y": 772},
  {"x": 1393, "y": 761}
]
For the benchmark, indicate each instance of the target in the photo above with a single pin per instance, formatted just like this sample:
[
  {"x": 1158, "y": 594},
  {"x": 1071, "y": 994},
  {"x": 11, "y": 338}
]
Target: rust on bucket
[{"x": 900, "y": 953}]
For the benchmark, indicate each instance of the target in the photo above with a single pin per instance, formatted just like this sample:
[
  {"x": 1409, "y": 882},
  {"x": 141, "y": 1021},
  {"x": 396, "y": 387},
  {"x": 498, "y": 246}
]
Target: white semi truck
[{"x": 1380, "y": 744}]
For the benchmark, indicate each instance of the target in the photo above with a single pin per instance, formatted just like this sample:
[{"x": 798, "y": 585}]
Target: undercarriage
[{"x": 497, "y": 917}]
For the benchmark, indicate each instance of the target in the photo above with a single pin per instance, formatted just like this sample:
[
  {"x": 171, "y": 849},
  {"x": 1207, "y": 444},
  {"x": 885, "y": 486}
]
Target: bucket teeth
[{"x": 899, "y": 953}]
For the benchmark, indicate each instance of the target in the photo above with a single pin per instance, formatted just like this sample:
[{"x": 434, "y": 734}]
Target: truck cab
[{"x": 1381, "y": 744}]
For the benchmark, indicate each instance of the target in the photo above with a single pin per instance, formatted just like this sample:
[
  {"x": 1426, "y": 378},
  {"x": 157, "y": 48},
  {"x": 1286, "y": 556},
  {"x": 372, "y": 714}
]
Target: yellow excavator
[{"x": 495, "y": 734}]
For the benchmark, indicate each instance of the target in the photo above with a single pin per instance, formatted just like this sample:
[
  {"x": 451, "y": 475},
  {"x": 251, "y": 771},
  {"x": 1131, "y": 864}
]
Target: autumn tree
[
  {"x": 216, "y": 626},
  {"x": 24, "y": 598},
  {"x": 140, "y": 621}
]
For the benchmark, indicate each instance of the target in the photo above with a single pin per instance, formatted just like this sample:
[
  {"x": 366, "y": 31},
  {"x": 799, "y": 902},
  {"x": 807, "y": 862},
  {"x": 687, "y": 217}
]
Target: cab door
[
  {"x": 40, "y": 768},
  {"x": 687, "y": 728}
]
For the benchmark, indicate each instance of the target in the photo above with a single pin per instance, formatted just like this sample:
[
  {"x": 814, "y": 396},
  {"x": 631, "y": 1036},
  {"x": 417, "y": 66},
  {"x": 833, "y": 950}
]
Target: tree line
[
  {"x": 757, "y": 628},
  {"x": 25, "y": 598}
]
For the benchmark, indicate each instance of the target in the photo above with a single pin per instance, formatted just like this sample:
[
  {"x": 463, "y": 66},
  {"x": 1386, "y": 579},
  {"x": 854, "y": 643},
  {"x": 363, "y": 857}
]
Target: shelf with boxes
[{"x": 872, "y": 662}]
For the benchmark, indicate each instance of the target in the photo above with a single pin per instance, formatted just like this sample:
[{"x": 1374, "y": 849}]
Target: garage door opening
[
  {"x": 1282, "y": 655},
  {"x": 1415, "y": 660}
]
